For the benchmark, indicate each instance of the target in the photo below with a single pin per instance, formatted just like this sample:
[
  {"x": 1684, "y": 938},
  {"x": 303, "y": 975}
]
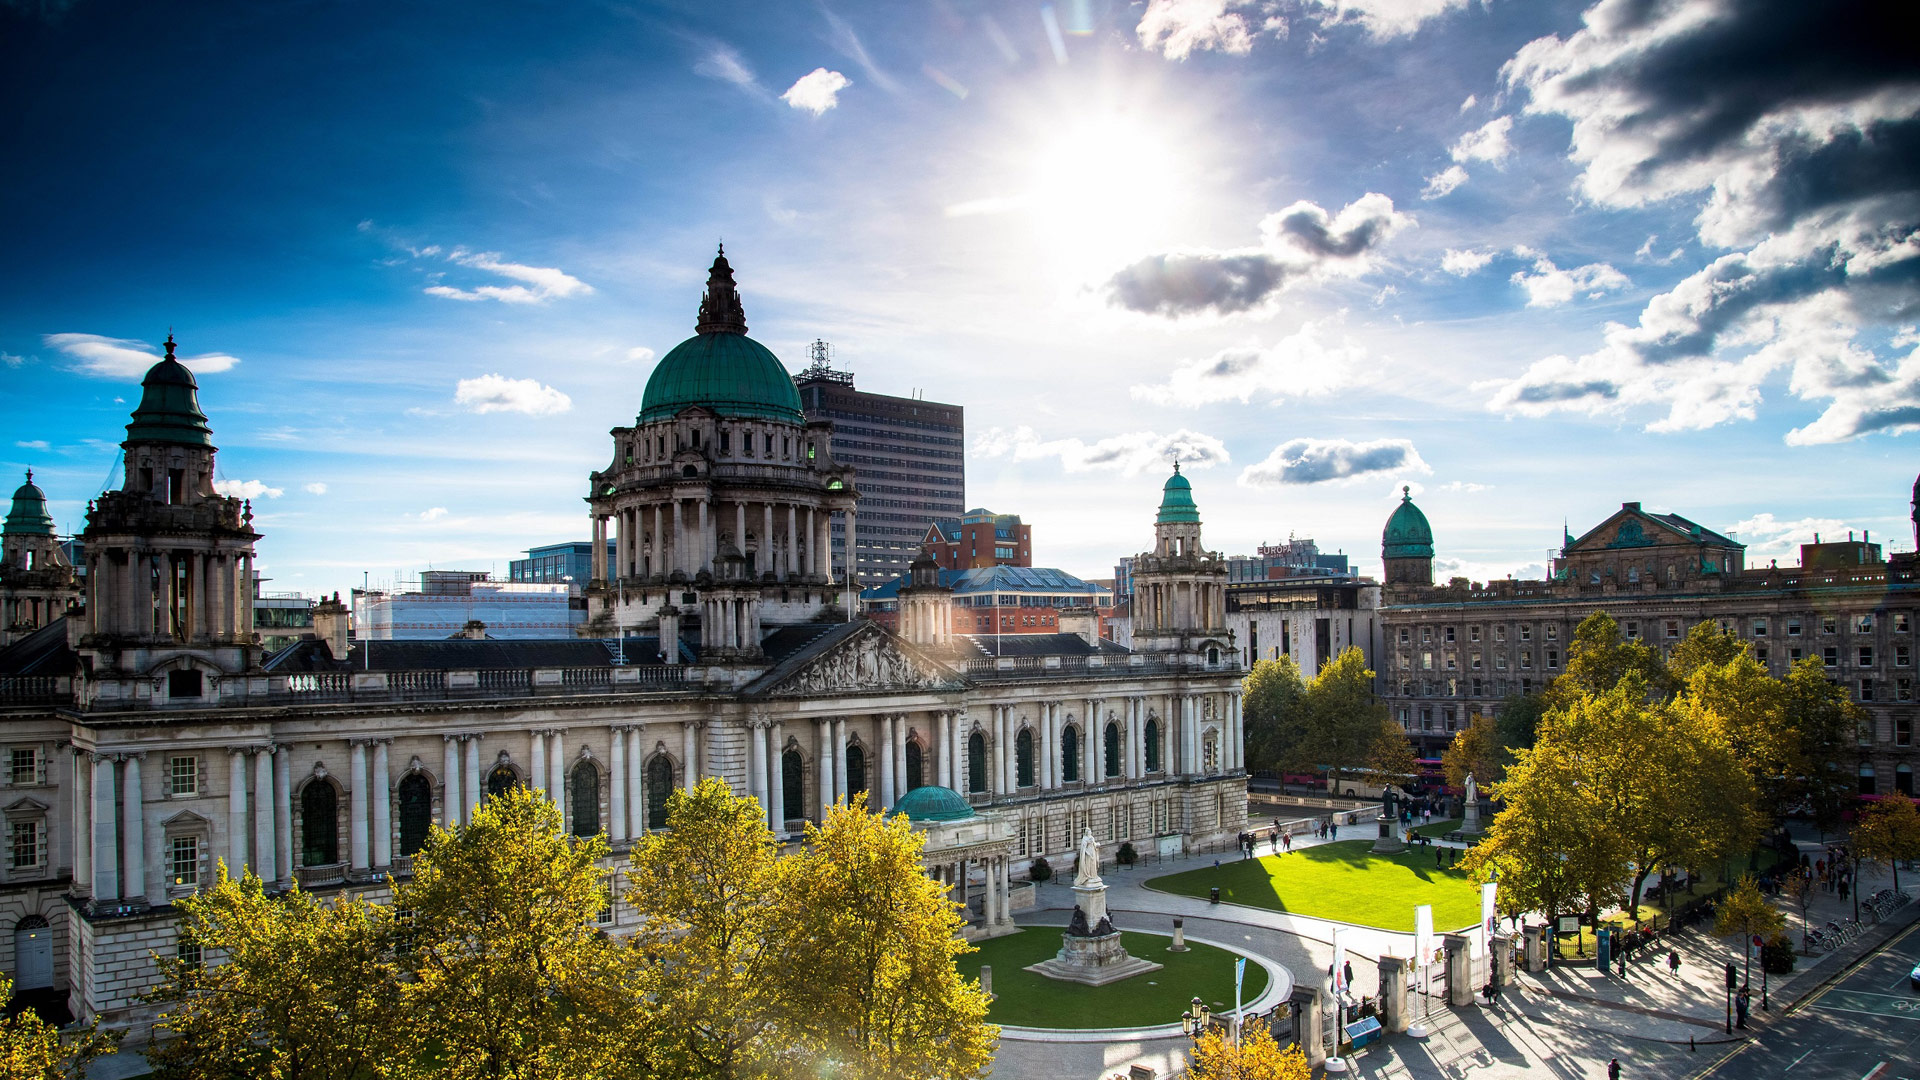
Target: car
[{"x": 1913, "y": 977}]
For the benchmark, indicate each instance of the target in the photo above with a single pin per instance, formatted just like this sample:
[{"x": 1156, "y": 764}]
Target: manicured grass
[
  {"x": 1342, "y": 881},
  {"x": 1439, "y": 828},
  {"x": 1025, "y": 999}
]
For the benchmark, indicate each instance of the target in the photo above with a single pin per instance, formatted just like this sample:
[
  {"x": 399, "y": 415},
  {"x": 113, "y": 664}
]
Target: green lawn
[
  {"x": 1025, "y": 999},
  {"x": 1439, "y": 828},
  {"x": 1342, "y": 881}
]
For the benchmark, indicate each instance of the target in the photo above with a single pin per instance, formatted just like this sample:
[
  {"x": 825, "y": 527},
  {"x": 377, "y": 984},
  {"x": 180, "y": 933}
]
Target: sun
[{"x": 1104, "y": 188}]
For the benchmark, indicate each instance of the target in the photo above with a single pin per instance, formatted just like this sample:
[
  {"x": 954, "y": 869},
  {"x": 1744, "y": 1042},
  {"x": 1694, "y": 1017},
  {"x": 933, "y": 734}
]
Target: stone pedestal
[
  {"x": 1536, "y": 948},
  {"x": 1093, "y": 961},
  {"x": 1470, "y": 818},
  {"x": 1179, "y": 936},
  {"x": 1389, "y": 841},
  {"x": 1501, "y": 947}
]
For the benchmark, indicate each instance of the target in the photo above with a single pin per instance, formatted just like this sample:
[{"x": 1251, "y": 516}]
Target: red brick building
[{"x": 980, "y": 538}]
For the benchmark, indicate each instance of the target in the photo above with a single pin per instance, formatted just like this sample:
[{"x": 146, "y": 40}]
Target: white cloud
[
  {"x": 1317, "y": 461},
  {"x": 34, "y": 444},
  {"x": 723, "y": 62},
  {"x": 118, "y": 358},
  {"x": 1443, "y": 183},
  {"x": 1487, "y": 143},
  {"x": 1766, "y": 535},
  {"x": 1463, "y": 263},
  {"x": 12, "y": 360},
  {"x": 1472, "y": 100},
  {"x": 1383, "y": 19},
  {"x": 816, "y": 91},
  {"x": 497, "y": 393},
  {"x": 1298, "y": 365},
  {"x": 640, "y": 354},
  {"x": 433, "y": 513},
  {"x": 1464, "y": 487},
  {"x": 316, "y": 488},
  {"x": 1550, "y": 286},
  {"x": 1129, "y": 453},
  {"x": 541, "y": 283},
  {"x": 1176, "y": 28},
  {"x": 247, "y": 489}
]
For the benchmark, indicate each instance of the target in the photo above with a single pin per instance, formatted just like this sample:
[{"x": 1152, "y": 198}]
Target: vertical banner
[
  {"x": 1489, "y": 915},
  {"x": 1422, "y": 939},
  {"x": 1239, "y": 978},
  {"x": 1339, "y": 963}
]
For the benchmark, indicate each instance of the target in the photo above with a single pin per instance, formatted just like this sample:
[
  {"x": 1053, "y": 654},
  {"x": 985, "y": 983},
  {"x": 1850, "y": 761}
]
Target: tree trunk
[{"x": 1633, "y": 901}]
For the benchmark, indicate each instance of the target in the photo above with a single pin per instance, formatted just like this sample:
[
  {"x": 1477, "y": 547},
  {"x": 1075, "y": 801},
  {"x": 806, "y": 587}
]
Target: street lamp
[{"x": 1193, "y": 1022}]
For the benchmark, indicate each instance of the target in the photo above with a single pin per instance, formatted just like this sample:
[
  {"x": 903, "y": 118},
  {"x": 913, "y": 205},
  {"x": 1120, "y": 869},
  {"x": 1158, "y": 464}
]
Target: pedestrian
[
  {"x": 1289, "y": 841},
  {"x": 1673, "y": 962},
  {"x": 1623, "y": 963},
  {"x": 1437, "y": 852},
  {"x": 1347, "y": 970},
  {"x": 1843, "y": 890},
  {"x": 1613, "y": 1069},
  {"x": 1740, "y": 1007}
]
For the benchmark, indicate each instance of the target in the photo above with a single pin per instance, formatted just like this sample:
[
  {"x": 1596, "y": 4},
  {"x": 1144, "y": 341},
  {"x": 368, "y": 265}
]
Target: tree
[
  {"x": 32, "y": 1049},
  {"x": 1258, "y": 1056},
  {"x": 1273, "y": 707},
  {"x": 1705, "y": 646},
  {"x": 1550, "y": 843},
  {"x": 870, "y": 941},
  {"x": 706, "y": 892},
  {"x": 1598, "y": 658},
  {"x": 301, "y": 988},
  {"x": 1888, "y": 832},
  {"x": 1746, "y": 705},
  {"x": 1476, "y": 750},
  {"x": 1390, "y": 759},
  {"x": 505, "y": 976},
  {"x": 1519, "y": 720},
  {"x": 1343, "y": 717},
  {"x": 1828, "y": 725},
  {"x": 1745, "y": 914}
]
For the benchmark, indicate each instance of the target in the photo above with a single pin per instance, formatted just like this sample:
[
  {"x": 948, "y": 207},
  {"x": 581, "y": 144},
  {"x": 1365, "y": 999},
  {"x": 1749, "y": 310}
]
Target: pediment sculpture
[{"x": 868, "y": 662}]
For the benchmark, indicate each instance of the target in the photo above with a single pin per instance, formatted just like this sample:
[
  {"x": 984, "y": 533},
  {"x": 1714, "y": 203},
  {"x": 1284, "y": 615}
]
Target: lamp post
[{"x": 1193, "y": 1022}]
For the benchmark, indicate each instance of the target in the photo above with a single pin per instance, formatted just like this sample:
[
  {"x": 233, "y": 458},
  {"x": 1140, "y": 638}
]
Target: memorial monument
[
  {"x": 1090, "y": 950},
  {"x": 1389, "y": 841},
  {"x": 1471, "y": 813}
]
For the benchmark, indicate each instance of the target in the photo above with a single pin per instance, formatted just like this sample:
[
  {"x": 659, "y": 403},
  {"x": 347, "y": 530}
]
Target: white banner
[
  {"x": 1339, "y": 962},
  {"x": 1489, "y": 916},
  {"x": 1422, "y": 938}
]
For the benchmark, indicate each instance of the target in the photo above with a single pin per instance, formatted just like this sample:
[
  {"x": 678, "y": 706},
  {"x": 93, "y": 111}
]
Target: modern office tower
[{"x": 908, "y": 454}]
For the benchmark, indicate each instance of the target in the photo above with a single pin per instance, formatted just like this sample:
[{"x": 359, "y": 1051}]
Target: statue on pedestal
[
  {"x": 1091, "y": 951},
  {"x": 1087, "y": 869}
]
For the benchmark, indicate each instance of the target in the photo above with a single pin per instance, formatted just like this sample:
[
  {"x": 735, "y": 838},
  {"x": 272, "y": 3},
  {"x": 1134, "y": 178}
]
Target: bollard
[
  {"x": 1213, "y": 895},
  {"x": 986, "y": 980},
  {"x": 1179, "y": 936}
]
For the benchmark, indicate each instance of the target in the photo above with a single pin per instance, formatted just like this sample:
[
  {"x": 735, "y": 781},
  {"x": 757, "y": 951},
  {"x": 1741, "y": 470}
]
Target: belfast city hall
[{"x": 150, "y": 737}]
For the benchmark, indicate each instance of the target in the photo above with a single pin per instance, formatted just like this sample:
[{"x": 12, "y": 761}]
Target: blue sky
[{"x": 1533, "y": 258}]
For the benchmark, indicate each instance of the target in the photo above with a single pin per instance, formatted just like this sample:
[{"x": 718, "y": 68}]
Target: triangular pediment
[
  {"x": 869, "y": 661},
  {"x": 1628, "y": 528}
]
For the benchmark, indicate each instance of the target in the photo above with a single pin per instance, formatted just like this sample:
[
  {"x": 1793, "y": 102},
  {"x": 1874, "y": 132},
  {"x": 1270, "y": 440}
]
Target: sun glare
[{"x": 1102, "y": 189}]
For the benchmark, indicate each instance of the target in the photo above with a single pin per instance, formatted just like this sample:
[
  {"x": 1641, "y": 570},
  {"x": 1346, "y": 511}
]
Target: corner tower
[
  {"x": 169, "y": 562},
  {"x": 1179, "y": 587},
  {"x": 36, "y": 579},
  {"x": 1406, "y": 545}
]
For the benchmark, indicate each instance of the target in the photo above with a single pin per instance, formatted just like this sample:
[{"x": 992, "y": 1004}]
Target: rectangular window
[
  {"x": 183, "y": 775},
  {"x": 1673, "y": 629},
  {"x": 1903, "y": 689},
  {"x": 26, "y": 845},
  {"x": 1473, "y": 633},
  {"x": 1476, "y": 661},
  {"x": 23, "y": 765},
  {"x": 1499, "y": 661},
  {"x": 1449, "y": 635},
  {"x": 1526, "y": 658},
  {"x": 183, "y": 860},
  {"x": 1453, "y": 663},
  {"x": 1759, "y": 628},
  {"x": 1760, "y": 653},
  {"x": 1793, "y": 656},
  {"x": 1406, "y": 636},
  {"x": 1863, "y": 624},
  {"x": 1553, "y": 658},
  {"x": 1902, "y": 655},
  {"x": 1903, "y": 731},
  {"x": 187, "y": 953},
  {"x": 1499, "y": 633},
  {"x": 1829, "y": 624},
  {"x": 1793, "y": 627},
  {"x": 1901, "y": 624},
  {"x": 1866, "y": 689},
  {"x": 1553, "y": 632},
  {"x": 1633, "y": 630},
  {"x": 1526, "y": 633},
  {"x": 1426, "y": 634},
  {"x": 1830, "y": 656},
  {"x": 1426, "y": 661},
  {"x": 1866, "y": 656}
]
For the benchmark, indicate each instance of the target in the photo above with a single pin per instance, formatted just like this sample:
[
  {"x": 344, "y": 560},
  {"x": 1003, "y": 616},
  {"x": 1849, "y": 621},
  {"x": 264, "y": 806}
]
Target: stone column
[
  {"x": 599, "y": 571},
  {"x": 1309, "y": 1022},
  {"x": 263, "y": 825},
  {"x": 1190, "y": 704},
  {"x": 133, "y": 833},
  {"x": 1002, "y": 749},
  {"x": 689, "y": 753},
  {"x": 990, "y": 903},
  {"x": 777, "y": 778},
  {"x": 81, "y": 834},
  {"x": 557, "y": 778},
  {"x": 840, "y": 759},
  {"x": 237, "y": 824},
  {"x": 824, "y": 763},
  {"x": 1393, "y": 995},
  {"x": 853, "y": 569},
  {"x": 791, "y": 563},
  {"x": 822, "y": 544},
  {"x": 537, "y": 773},
  {"x": 636, "y": 787},
  {"x": 705, "y": 557},
  {"x": 283, "y": 814},
  {"x": 1095, "y": 769},
  {"x": 357, "y": 804},
  {"x": 476, "y": 781},
  {"x": 617, "y": 780},
  {"x": 679, "y": 540},
  {"x": 888, "y": 796},
  {"x": 942, "y": 743},
  {"x": 740, "y": 526},
  {"x": 757, "y": 761},
  {"x": 898, "y": 751},
  {"x": 1459, "y": 970},
  {"x": 450, "y": 783},
  {"x": 381, "y": 789},
  {"x": 661, "y": 568},
  {"x": 106, "y": 831},
  {"x": 1049, "y": 745}
]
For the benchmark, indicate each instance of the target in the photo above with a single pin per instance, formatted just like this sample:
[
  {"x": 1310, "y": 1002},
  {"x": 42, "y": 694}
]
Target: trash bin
[{"x": 1213, "y": 895}]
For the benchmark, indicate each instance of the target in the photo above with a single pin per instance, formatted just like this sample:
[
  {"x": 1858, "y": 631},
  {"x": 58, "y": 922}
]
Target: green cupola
[
  {"x": 1176, "y": 501},
  {"x": 933, "y": 803},
  {"x": 28, "y": 516},
  {"x": 169, "y": 409},
  {"x": 1407, "y": 535},
  {"x": 720, "y": 367}
]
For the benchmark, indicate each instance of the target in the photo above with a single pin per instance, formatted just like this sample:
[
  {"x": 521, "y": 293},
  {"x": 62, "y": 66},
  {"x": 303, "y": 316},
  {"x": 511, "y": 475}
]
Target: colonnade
[
  {"x": 954, "y": 874},
  {"x": 681, "y": 535},
  {"x": 189, "y": 595},
  {"x": 1167, "y": 605},
  {"x": 1179, "y": 720}
]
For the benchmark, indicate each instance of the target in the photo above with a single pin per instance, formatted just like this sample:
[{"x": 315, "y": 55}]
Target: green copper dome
[
  {"x": 933, "y": 803},
  {"x": 1407, "y": 536},
  {"x": 1176, "y": 501},
  {"x": 169, "y": 409},
  {"x": 720, "y": 367},
  {"x": 29, "y": 516}
]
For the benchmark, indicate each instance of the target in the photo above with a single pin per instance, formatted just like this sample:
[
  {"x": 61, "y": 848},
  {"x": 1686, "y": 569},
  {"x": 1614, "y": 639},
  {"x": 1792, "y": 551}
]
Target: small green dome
[
  {"x": 169, "y": 409},
  {"x": 720, "y": 367},
  {"x": 1407, "y": 535},
  {"x": 28, "y": 516},
  {"x": 1176, "y": 501},
  {"x": 933, "y": 803}
]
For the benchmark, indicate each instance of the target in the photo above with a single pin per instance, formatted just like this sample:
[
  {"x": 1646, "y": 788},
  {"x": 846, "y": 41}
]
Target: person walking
[
  {"x": 1288, "y": 840},
  {"x": 1673, "y": 962},
  {"x": 1740, "y": 1006},
  {"x": 1613, "y": 1069}
]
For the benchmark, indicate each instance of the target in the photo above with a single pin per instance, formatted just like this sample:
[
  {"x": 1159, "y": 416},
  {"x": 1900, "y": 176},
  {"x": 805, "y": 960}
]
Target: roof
[
  {"x": 43, "y": 652},
  {"x": 169, "y": 410},
  {"x": 1040, "y": 645},
  {"x": 720, "y": 367},
  {"x": 995, "y": 579},
  {"x": 931, "y": 802},
  {"x": 28, "y": 516},
  {"x": 1696, "y": 530},
  {"x": 1176, "y": 501},
  {"x": 457, "y": 654},
  {"x": 1407, "y": 535}
]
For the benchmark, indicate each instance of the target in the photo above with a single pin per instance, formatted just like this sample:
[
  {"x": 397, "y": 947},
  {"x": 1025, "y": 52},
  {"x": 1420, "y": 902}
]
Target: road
[{"x": 1863, "y": 1026}]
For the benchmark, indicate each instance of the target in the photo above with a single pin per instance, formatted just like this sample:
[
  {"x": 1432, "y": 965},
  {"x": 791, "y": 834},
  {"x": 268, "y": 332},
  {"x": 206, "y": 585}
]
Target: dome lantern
[
  {"x": 169, "y": 410},
  {"x": 28, "y": 516}
]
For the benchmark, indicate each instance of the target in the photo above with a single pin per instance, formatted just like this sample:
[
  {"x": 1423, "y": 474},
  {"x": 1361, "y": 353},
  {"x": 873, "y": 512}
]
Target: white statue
[
  {"x": 1088, "y": 872},
  {"x": 1473, "y": 791}
]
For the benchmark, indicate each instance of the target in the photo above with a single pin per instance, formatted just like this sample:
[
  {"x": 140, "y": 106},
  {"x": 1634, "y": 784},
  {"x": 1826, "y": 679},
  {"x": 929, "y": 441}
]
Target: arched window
[
  {"x": 1153, "y": 744},
  {"x": 416, "y": 813},
  {"x": 659, "y": 786},
  {"x": 793, "y": 784},
  {"x": 586, "y": 799},
  {"x": 976, "y": 763},
  {"x": 913, "y": 766},
  {"x": 856, "y": 771},
  {"x": 319, "y": 825},
  {"x": 500, "y": 779},
  {"x": 1113, "y": 749},
  {"x": 1023, "y": 758},
  {"x": 1070, "y": 754}
]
